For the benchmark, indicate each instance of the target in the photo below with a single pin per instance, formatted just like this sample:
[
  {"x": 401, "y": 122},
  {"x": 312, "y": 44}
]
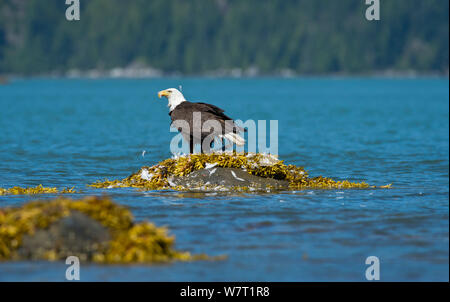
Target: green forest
[{"x": 197, "y": 36}]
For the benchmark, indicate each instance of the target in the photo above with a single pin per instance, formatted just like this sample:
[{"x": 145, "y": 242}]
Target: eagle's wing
[
  {"x": 185, "y": 111},
  {"x": 219, "y": 113},
  {"x": 213, "y": 109}
]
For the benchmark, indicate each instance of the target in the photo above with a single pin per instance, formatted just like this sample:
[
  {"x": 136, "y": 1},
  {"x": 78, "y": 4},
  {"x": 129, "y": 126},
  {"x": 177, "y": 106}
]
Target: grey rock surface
[
  {"x": 75, "y": 235},
  {"x": 228, "y": 177}
]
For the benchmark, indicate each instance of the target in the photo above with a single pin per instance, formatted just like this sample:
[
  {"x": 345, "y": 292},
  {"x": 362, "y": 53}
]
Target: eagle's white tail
[{"x": 235, "y": 138}]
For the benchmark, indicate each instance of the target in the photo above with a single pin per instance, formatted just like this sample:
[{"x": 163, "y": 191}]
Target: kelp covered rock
[
  {"x": 175, "y": 173},
  {"x": 93, "y": 228}
]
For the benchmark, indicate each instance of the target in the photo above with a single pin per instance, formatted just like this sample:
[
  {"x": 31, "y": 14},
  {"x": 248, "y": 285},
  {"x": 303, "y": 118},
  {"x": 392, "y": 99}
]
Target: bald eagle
[{"x": 180, "y": 109}]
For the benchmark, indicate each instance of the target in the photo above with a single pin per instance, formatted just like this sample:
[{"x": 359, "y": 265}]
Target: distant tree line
[{"x": 196, "y": 36}]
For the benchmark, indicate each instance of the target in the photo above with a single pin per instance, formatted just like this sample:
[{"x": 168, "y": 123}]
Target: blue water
[{"x": 73, "y": 132}]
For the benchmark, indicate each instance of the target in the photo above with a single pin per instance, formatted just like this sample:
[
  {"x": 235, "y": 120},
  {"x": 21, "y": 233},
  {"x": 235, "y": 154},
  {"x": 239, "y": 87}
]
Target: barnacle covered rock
[
  {"x": 34, "y": 190},
  {"x": 174, "y": 174},
  {"x": 93, "y": 228}
]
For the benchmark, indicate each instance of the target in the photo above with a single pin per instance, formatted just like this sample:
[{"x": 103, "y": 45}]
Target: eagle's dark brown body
[{"x": 185, "y": 112}]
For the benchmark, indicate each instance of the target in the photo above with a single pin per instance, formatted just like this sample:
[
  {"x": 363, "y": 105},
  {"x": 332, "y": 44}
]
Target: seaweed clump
[
  {"x": 129, "y": 242},
  {"x": 159, "y": 176},
  {"x": 34, "y": 190}
]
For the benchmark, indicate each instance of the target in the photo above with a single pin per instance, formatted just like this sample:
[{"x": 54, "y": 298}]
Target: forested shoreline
[{"x": 223, "y": 37}]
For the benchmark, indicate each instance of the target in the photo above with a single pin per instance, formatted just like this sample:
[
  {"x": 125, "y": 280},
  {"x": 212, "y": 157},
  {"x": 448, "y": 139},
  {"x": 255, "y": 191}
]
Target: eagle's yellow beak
[{"x": 162, "y": 93}]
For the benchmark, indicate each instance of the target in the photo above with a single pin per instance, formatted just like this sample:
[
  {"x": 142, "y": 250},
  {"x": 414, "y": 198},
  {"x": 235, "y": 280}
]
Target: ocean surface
[{"x": 64, "y": 133}]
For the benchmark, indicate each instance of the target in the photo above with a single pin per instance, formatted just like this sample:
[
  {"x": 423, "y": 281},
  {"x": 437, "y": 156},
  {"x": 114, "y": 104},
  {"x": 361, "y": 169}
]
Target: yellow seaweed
[
  {"x": 254, "y": 164},
  {"x": 34, "y": 190},
  {"x": 130, "y": 243}
]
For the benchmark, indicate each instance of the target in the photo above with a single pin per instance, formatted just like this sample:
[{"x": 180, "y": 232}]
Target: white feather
[
  {"x": 209, "y": 166},
  {"x": 146, "y": 175},
  {"x": 234, "y": 175},
  {"x": 235, "y": 138}
]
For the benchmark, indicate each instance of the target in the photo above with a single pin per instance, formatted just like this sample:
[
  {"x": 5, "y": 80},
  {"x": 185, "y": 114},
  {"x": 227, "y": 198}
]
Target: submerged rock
[{"x": 94, "y": 229}]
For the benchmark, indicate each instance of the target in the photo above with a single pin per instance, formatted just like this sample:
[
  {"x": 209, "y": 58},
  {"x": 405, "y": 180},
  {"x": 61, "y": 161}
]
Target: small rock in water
[{"x": 93, "y": 229}]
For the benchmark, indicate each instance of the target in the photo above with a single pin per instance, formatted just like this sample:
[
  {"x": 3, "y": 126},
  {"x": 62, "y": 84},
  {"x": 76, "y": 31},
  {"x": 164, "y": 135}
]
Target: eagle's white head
[{"x": 174, "y": 96}]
